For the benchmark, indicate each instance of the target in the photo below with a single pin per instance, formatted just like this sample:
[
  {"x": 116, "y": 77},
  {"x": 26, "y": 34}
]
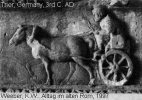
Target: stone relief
[
  {"x": 109, "y": 27},
  {"x": 62, "y": 49},
  {"x": 115, "y": 66},
  {"x": 106, "y": 49}
]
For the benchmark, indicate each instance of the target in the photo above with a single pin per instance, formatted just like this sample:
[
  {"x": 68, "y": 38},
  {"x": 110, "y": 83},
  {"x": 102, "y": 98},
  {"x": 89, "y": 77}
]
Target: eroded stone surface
[{"x": 58, "y": 23}]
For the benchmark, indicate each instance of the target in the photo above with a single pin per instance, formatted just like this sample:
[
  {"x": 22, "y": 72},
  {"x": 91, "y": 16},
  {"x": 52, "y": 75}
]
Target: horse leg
[
  {"x": 83, "y": 63},
  {"x": 72, "y": 70},
  {"x": 31, "y": 73},
  {"x": 45, "y": 61}
]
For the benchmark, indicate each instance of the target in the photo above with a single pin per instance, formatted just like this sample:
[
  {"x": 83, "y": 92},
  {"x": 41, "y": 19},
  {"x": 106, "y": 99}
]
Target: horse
[{"x": 54, "y": 48}]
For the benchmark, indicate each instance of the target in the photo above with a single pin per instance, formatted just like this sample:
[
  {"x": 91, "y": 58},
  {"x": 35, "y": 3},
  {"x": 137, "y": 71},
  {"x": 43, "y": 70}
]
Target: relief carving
[
  {"x": 115, "y": 66},
  {"x": 115, "y": 60},
  {"x": 67, "y": 48},
  {"x": 108, "y": 28},
  {"x": 60, "y": 49}
]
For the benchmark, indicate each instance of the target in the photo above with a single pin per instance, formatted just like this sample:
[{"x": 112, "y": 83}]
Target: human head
[
  {"x": 99, "y": 12},
  {"x": 18, "y": 36},
  {"x": 107, "y": 24}
]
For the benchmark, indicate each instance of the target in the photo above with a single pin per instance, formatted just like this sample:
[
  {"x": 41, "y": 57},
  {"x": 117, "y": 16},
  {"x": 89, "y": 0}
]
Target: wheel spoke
[
  {"x": 121, "y": 60},
  {"x": 114, "y": 59},
  {"x": 125, "y": 66},
  {"x": 115, "y": 68},
  {"x": 108, "y": 62},
  {"x": 109, "y": 73},
  {"x": 129, "y": 71},
  {"x": 115, "y": 77},
  {"x": 108, "y": 67},
  {"x": 124, "y": 77}
]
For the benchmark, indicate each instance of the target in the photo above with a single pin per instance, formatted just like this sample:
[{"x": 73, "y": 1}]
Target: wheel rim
[{"x": 115, "y": 68}]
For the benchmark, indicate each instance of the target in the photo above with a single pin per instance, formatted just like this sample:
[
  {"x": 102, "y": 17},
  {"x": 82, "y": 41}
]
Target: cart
[{"x": 115, "y": 66}]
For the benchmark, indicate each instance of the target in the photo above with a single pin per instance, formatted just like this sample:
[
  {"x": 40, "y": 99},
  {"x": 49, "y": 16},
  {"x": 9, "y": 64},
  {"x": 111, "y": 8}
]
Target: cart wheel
[{"x": 115, "y": 68}]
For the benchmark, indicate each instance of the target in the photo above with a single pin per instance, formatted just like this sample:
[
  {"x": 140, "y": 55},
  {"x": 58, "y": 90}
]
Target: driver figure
[{"x": 108, "y": 28}]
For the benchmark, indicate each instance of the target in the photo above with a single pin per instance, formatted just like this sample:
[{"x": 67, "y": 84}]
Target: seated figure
[{"x": 109, "y": 28}]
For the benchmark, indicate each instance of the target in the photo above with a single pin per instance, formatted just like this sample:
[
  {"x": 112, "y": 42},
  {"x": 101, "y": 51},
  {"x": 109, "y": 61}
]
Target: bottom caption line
[{"x": 53, "y": 96}]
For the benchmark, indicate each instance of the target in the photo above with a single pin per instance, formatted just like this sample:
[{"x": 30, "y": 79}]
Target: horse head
[{"x": 19, "y": 35}]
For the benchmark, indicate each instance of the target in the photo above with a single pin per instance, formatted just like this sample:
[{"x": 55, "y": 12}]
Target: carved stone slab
[{"x": 49, "y": 39}]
